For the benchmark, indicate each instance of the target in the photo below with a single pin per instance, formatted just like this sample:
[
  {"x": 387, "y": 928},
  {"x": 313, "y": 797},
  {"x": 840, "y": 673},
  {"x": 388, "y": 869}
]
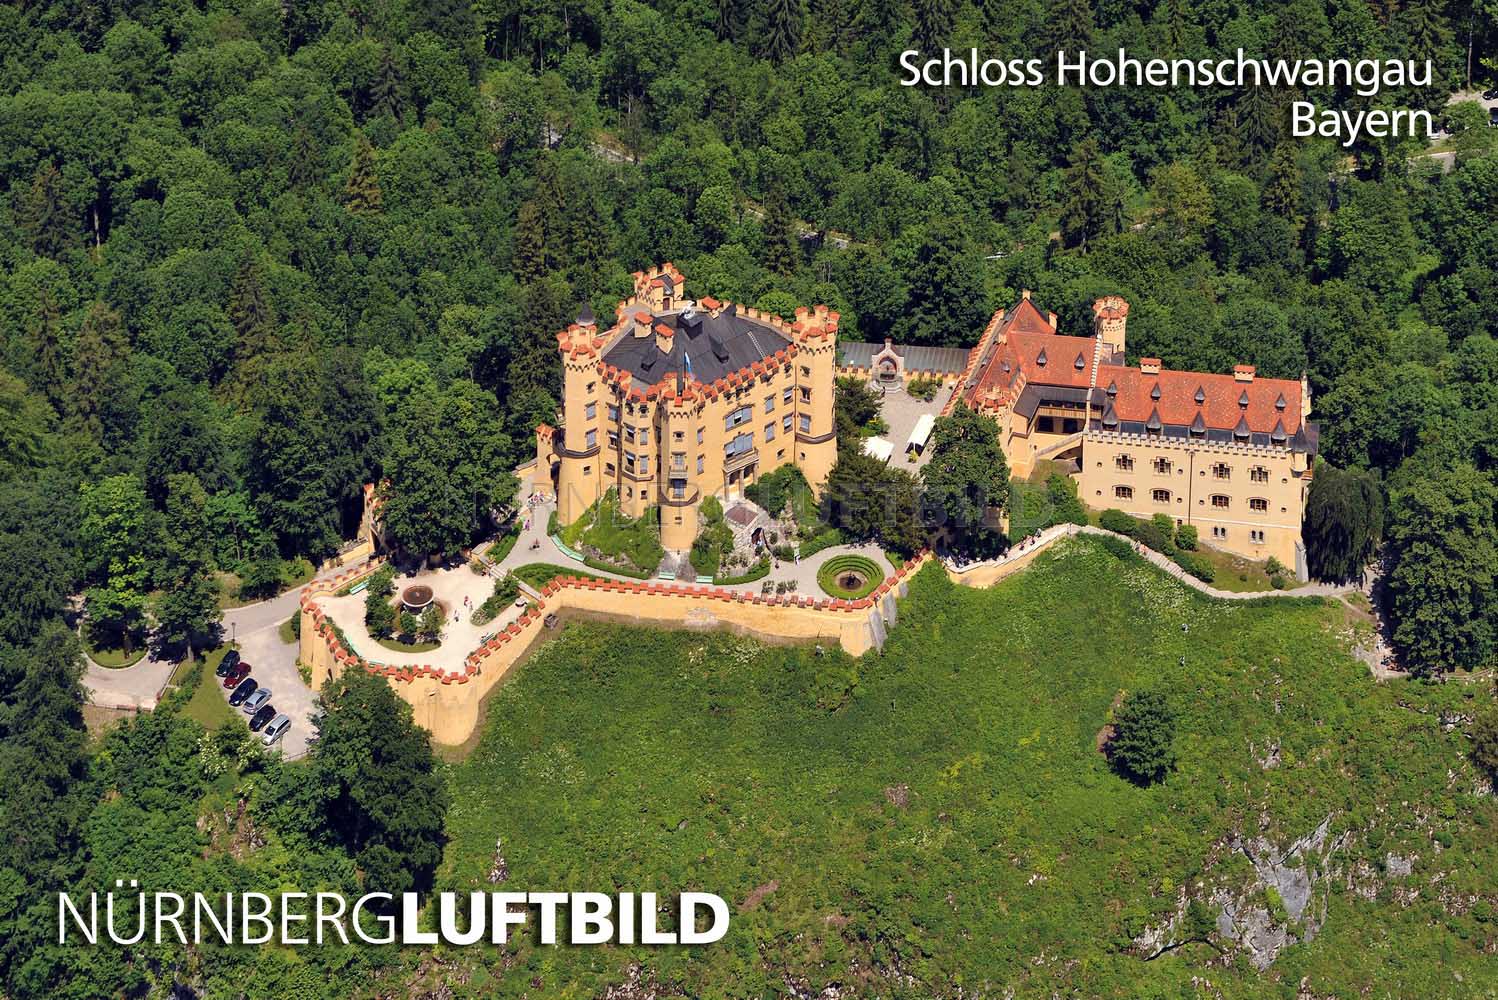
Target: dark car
[
  {"x": 1488, "y": 95},
  {"x": 246, "y": 688},
  {"x": 228, "y": 663},
  {"x": 260, "y": 718},
  {"x": 240, "y": 672}
]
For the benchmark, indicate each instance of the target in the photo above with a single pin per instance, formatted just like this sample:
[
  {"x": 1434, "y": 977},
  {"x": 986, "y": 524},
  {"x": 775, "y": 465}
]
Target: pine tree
[
  {"x": 783, "y": 37},
  {"x": 727, "y": 19},
  {"x": 385, "y": 97},
  {"x": 251, "y": 312},
  {"x": 528, "y": 255},
  {"x": 1260, "y": 116},
  {"x": 100, "y": 347},
  {"x": 361, "y": 195},
  {"x": 1069, "y": 25},
  {"x": 1084, "y": 211},
  {"x": 782, "y": 247},
  {"x": 933, "y": 23},
  {"x": 46, "y": 348},
  {"x": 40, "y": 212},
  {"x": 1282, "y": 190},
  {"x": 306, "y": 159}
]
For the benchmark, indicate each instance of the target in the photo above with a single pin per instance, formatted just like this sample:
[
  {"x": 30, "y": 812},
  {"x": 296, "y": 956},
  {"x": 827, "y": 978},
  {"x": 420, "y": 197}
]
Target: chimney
[
  {"x": 1025, "y": 294},
  {"x": 1050, "y": 318},
  {"x": 712, "y": 305},
  {"x": 663, "y": 335},
  {"x": 1243, "y": 373},
  {"x": 642, "y": 323},
  {"x": 1149, "y": 366}
]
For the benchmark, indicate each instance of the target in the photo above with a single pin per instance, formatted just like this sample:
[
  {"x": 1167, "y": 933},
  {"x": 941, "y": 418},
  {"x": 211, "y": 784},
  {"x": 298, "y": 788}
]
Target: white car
[
  {"x": 253, "y": 703},
  {"x": 276, "y": 729}
]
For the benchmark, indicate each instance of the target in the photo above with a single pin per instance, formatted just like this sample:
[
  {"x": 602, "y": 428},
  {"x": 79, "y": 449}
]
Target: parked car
[
  {"x": 276, "y": 729},
  {"x": 246, "y": 688},
  {"x": 253, "y": 702},
  {"x": 228, "y": 663},
  {"x": 240, "y": 672},
  {"x": 262, "y": 715},
  {"x": 1490, "y": 95},
  {"x": 522, "y": 601}
]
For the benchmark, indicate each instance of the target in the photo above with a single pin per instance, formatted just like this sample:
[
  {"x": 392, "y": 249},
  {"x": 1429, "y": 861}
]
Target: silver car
[
  {"x": 253, "y": 703},
  {"x": 276, "y": 729}
]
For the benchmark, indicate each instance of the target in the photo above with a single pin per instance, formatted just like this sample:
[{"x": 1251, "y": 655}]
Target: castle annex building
[
  {"x": 682, "y": 399},
  {"x": 1231, "y": 454}
]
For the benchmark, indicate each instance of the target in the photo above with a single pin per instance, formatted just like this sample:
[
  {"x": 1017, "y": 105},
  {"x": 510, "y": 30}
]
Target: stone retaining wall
[{"x": 447, "y": 703}]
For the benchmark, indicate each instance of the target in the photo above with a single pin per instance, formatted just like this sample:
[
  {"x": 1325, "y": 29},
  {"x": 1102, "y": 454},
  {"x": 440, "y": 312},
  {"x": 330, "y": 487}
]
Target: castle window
[
  {"x": 1259, "y": 504},
  {"x": 629, "y": 462},
  {"x": 1123, "y": 492},
  {"x": 805, "y": 372},
  {"x": 770, "y": 431},
  {"x": 592, "y": 438},
  {"x": 785, "y": 423},
  {"x": 1162, "y": 466},
  {"x": 613, "y": 413},
  {"x": 1219, "y": 532},
  {"x": 613, "y": 439},
  {"x": 805, "y": 423},
  {"x": 1219, "y": 501},
  {"x": 591, "y": 411},
  {"x": 785, "y": 397},
  {"x": 1124, "y": 463},
  {"x": 608, "y": 468},
  {"x": 629, "y": 434},
  {"x": 1222, "y": 470},
  {"x": 738, "y": 445},
  {"x": 1160, "y": 496},
  {"x": 678, "y": 488},
  {"x": 805, "y": 394},
  {"x": 1259, "y": 474},
  {"x": 769, "y": 404},
  {"x": 738, "y": 417},
  {"x": 1256, "y": 536},
  {"x": 678, "y": 461},
  {"x": 699, "y": 435},
  {"x": 644, "y": 465},
  {"x": 701, "y": 461}
]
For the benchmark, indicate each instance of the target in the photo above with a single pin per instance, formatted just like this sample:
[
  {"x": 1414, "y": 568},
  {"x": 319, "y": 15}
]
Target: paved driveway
[
  {"x": 273, "y": 664},
  {"x": 135, "y": 686}
]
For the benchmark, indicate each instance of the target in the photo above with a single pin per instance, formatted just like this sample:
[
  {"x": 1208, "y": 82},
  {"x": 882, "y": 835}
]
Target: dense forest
[{"x": 256, "y": 255}]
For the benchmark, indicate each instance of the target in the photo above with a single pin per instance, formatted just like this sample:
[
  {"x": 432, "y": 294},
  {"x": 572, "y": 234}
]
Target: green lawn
[
  {"x": 407, "y": 647},
  {"x": 539, "y": 575},
  {"x": 625, "y": 541},
  {"x": 207, "y": 706},
  {"x": 939, "y": 815},
  {"x": 114, "y": 659}
]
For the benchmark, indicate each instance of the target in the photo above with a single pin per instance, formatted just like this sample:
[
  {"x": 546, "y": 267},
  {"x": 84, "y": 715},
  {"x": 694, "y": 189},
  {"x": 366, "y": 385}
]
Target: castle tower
[
  {"x": 682, "y": 493},
  {"x": 1110, "y": 318},
  {"x": 815, "y": 334},
  {"x": 578, "y": 448}
]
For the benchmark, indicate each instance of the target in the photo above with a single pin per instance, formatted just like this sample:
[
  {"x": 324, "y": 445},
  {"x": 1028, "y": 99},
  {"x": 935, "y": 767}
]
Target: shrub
[
  {"x": 1065, "y": 507},
  {"x": 1196, "y": 565},
  {"x": 506, "y": 589},
  {"x": 552, "y": 524},
  {"x": 1149, "y": 533},
  {"x": 1186, "y": 537},
  {"x": 826, "y": 539},
  {"x": 379, "y": 613},
  {"x": 1113, "y": 519},
  {"x": 1277, "y": 582},
  {"x": 1118, "y": 547},
  {"x": 1485, "y": 740},
  {"x": 1274, "y": 567},
  {"x": 923, "y": 388}
]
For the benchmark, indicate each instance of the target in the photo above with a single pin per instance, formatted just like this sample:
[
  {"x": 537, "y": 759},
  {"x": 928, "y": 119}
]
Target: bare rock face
[{"x": 1283, "y": 904}]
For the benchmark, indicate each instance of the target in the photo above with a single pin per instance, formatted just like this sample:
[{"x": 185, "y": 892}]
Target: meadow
[{"x": 937, "y": 819}]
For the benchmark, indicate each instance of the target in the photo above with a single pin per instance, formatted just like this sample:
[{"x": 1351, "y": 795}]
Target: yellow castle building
[
  {"x": 1231, "y": 454},
  {"x": 683, "y": 399}
]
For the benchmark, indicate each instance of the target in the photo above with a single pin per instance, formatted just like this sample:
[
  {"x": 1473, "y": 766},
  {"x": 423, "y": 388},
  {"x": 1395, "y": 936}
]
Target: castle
[
  {"x": 684, "y": 399},
  {"x": 1230, "y": 454}
]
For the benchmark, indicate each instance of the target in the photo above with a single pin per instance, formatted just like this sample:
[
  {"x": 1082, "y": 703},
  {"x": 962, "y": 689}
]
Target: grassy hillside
[{"x": 939, "y": 816}]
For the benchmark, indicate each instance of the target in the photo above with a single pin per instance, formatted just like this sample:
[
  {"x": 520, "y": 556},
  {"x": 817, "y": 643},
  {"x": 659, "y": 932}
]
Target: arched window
[
  {"x": 1219, "y": 501},
  {"x": 1160, "y": 496},
  {"x": 1123, "y": 492}
]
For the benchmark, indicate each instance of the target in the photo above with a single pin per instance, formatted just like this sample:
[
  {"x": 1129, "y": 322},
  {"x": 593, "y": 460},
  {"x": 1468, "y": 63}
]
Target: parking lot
[{"x": 273, "y": 665}]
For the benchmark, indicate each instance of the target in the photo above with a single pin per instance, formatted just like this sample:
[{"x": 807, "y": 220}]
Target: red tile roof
[{"x": 1221, "y": 395}]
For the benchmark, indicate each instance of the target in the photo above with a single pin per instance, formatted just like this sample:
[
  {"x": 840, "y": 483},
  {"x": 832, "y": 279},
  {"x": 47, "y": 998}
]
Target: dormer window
[
  {"x": 1201, "y": 397},
  {"x": 1243, "y": 399},
  {"x": 1113, "y": 388},
  {"x": 1040, "y": 358},
  {"x": 1155, "y": 393},
  {"x": 1080, "y": 363},
  {"x": 1279, "y": 404}
]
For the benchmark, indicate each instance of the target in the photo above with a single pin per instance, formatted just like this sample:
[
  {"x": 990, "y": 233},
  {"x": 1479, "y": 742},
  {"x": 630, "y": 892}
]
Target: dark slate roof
[
  {"x": 919, "y": 359},
  {"x": 706, "y": 347},
  {"x": 1036, "y": 394}
]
